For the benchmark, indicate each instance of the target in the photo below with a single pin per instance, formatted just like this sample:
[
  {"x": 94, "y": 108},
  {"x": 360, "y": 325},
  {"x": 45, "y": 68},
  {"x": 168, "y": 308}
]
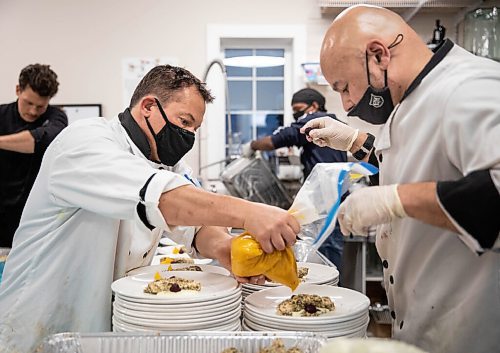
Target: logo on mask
[{"x": 376, "y": 101}]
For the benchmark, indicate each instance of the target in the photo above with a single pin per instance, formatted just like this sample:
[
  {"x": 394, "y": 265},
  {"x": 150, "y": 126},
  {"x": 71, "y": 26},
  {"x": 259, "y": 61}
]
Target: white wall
[{"x": 85, "y": 41}]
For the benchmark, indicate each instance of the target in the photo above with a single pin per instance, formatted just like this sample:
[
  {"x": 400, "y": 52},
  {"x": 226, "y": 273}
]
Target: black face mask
[
  {"x": 298, "y": 114},
  {"x": 376, "y": 105},
  {"x": 172, "y": 142}
]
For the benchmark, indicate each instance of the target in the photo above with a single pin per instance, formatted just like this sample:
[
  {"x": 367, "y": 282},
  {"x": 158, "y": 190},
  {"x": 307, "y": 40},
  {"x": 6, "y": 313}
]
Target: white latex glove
[
  {"x": 369, "y": 206},
  {"x": 330, "y": 132},
  {"x": 247, "y": 150}
]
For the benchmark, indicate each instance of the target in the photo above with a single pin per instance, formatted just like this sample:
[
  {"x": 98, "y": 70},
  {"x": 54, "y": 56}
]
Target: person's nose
[
  {"x": 33, "y": 111},
  {"x": 347, "y": 103}
]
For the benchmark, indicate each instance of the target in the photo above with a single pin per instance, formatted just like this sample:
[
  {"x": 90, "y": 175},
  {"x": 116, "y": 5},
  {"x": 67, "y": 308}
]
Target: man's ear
[
  {"x": 380, "y": 52},
  {"x": 18, "y": 90},
  {"x": 146, "y": 103},
  {"x": 315, "y": 106}
]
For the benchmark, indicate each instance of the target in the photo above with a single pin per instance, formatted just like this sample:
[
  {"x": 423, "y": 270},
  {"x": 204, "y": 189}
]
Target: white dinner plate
[
  {"x": 157, "y": 258},
  {"x": 163, "y": 269},
  {"x": 348, "y": 303},
  {"x": 169, "y": 250},
  {"x": 167, "y": 241},
  {"x": 329, "y": 333},
  {"x": 191, "y": 321},
  {"x": 200, "y": 312},
  {"x": 227, "y": 326},
  {"x": 130, "y": 303},
  {"x": 267, "y": 321},
  {"x": 213, "y": 286}
]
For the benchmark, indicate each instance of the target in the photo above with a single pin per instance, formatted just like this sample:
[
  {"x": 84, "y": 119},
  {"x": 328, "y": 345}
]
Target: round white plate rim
[
  {"x": 167, "y": 241},
  {"x": 164, "y": 269},
  {"x": 342, "y": 297},
  {"x": 294, "y": 323},
  {"x": 160, "y": 301},
  {"x": 212, "y": 286},
  {"x": 157, "y": 258},
  {"x": 227, "y": 327},
  {"x": 261, "y": 327},
  {"x": 287, "y": 326},
  {"x": 200, "y": 312},
  {"x": 176, "y": 306},
  {"x": 187, "y": 322}
]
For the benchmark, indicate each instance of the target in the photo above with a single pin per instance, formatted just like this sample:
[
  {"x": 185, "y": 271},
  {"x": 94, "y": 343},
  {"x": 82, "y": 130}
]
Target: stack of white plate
[
  {"x": 349, "y": 319},
  {"x": 217, "y": 307},
  {"x": 318, "y": 274}
]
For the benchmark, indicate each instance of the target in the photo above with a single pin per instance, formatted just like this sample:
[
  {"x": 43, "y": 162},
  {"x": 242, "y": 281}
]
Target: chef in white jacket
[
  {"x": 106, "y": 191},
  {"x": 438, "y": 206}
]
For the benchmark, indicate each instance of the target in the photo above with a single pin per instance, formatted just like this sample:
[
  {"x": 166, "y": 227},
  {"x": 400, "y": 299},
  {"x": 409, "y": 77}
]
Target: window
[{"x": 256, "y": 97}]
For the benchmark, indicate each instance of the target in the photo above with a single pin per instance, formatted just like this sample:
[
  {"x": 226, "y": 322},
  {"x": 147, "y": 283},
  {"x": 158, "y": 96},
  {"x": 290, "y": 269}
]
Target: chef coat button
[
  {"x": 391, "y": 279},
  {"x": 385, "y": 264},
  {"x": 401, "y": 325},
  {"x": 380, "y": 158},
  {"x": 393, "y": 315},
  {"x": 145, "y": 254}
]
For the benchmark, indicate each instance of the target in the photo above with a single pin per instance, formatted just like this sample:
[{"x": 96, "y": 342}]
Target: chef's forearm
[
  {"x": 190, "y": 206},
  {"x": 212, "y": 242},
  {"x": 263, "y": 144},
  {"x": 22, "y": 142},
  {"x": 419, "y": 201}
]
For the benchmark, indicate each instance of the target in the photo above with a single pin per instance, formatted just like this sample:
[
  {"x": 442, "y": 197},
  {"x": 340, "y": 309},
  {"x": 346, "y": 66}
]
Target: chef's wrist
[
  {"x": 365, "y": 149},
  {"x": 358, "y": 143}
]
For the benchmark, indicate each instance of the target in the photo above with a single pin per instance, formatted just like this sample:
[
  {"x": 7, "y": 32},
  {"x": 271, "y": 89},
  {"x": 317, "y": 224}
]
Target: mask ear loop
[
  {"x": 367, "y": 70},
  {"x": 399, "y": 39}
]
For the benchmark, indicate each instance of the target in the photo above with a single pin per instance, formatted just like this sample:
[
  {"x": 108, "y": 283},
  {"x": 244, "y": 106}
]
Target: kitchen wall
[{"x": 85, "y": 41}]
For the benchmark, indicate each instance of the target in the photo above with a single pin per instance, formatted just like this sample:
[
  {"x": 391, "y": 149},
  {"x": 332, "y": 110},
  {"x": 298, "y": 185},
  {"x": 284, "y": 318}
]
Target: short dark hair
[
  {"x": 40, "y": 78},
  {"x": 164, "y": 81},
  {"x": 309, "y": 96}
]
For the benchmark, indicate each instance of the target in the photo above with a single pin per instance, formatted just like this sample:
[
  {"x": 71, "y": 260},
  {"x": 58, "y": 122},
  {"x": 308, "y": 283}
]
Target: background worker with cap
[{"x": 307, "y": 104}]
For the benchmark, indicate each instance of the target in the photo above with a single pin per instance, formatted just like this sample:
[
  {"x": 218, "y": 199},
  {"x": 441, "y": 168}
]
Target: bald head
[
  {"x": 365, "y": 35},
  {"x": 358, "y": 24}
]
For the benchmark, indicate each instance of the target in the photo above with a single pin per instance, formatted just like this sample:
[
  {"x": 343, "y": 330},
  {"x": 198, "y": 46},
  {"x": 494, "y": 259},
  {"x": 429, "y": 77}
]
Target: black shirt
[
  {"x": 19, "y": 170},
  {"x": 311, "y": 153}
]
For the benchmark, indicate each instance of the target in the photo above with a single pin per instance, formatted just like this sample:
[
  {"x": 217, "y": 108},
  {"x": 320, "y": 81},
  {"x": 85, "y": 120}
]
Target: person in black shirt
[
  {"x": 27, "y": 126},
  {"x": 307, "y": 104}
]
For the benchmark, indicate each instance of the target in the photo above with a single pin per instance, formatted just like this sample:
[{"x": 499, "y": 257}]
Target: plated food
[
  {"x": 173, "y": 284},
  {"x": 277, "y": 346},
  {"x": 187, "y": 268},
  {"x": 305, "y": 305},
  {"x": 166, "y": 260}
]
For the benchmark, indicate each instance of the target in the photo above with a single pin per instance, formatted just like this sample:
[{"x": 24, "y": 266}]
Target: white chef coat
[
  {"x": 443, "y": 296},
  {"x": 80, "y": 230}
]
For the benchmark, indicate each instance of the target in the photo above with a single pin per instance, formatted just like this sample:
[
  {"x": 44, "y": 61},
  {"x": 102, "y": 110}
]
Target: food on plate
[
  {"x": 187, "y": 268},
  {"x": 302, "y": 272},
  {"x": 277, "y": 346},
  {"x": 172, "y": 284},
  {"x": 305, "y": 305},
  {"x": 179, "y": 250},
  {"x": 166, "y": 260}
]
